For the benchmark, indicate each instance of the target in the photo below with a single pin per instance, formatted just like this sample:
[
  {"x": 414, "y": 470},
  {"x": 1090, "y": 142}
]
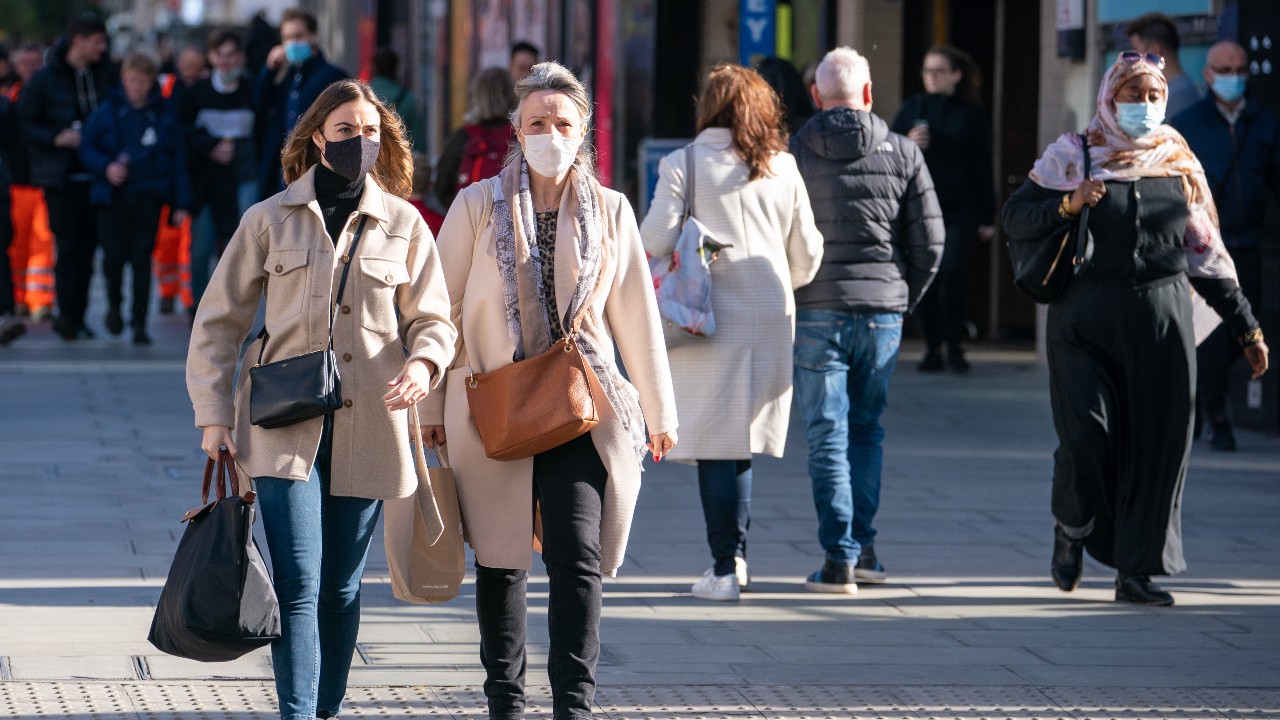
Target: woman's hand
[
  {"x": 1088, "y": 193},
  {"x": 433, "y": 435},
  {"x": 660, "y": 444},
  {"x": 410, "y": 386},
  {"x": 1258, "y": 355},
  {"x": 216, "y": 436}
]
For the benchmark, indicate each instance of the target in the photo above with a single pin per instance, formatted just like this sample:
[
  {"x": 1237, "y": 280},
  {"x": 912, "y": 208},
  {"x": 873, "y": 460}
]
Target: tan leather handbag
[{"x": 536, "y": 404}]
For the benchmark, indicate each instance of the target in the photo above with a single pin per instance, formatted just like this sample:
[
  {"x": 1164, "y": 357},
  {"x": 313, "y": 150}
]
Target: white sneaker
[
  {"x": 744, "y": 575},
  {"x": 721, "y": 588}
]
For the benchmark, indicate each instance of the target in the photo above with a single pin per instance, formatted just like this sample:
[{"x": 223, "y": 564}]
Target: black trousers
[
  {"x": 6, "y": 239},
  {"x": 568, "y": 487},
  {"x": 1121, "y": 369},
  {"x": 75, "y": 232},
  {"x": 942, "y": 309},
  {"x": 128, "y": 231},
  {"x": 1219, "y": 352}
]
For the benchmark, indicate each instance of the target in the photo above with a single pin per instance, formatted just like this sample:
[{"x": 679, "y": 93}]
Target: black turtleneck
[{"x": 338, "y": 198}]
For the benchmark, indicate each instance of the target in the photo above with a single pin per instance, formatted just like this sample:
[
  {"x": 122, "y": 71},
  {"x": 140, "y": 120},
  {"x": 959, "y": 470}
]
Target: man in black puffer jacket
[{"x": 874, "y": 202}]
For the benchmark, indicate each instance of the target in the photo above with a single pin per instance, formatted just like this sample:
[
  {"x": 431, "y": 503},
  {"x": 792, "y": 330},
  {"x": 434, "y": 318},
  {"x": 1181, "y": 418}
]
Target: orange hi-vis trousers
[
  {"x": 173, "y": 259},
  {"x": 32, "y": 252}
]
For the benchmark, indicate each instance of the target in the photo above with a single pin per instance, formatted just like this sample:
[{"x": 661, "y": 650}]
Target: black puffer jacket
[
  {"x": 874, "y": 202},
  {"x": 53, "y": 100}
]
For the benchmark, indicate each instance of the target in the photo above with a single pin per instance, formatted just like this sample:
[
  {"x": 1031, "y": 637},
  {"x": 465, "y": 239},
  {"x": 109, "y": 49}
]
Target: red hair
[{"x": 739, "y": 99}]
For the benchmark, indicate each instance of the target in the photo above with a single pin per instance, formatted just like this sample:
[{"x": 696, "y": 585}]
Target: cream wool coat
[
  {"x": 734, "y": 389},
  {"x": 496, "y": 495},
  {"x": 283, "y": 250}
]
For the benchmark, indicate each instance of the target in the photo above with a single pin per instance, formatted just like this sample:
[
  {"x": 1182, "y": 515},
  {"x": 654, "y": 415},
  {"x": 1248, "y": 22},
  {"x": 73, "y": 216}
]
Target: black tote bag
[
  {"x": 218, "y": 602},
  {"x": 1042, "y": 267}
]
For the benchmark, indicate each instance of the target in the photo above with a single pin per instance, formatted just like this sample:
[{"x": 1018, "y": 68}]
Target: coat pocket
[
  {"x": 377, "y": 301},
  {"x": 286, "y": 283}
]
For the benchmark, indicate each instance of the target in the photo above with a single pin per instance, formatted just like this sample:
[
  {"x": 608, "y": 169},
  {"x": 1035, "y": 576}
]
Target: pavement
[{"x": 100, "y": 460}]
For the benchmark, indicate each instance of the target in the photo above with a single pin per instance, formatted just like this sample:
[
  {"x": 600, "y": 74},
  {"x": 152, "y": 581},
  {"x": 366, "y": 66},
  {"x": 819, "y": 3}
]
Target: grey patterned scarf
[{"x": 529, "y": 320}]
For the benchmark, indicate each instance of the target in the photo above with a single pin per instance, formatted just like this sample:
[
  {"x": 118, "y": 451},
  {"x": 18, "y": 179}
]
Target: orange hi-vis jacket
[{"x": 172, "y": 255}]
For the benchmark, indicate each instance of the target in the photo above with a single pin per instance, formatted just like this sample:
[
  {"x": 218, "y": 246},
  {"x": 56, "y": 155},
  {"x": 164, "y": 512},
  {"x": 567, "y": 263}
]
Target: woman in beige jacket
[
  {"x": 735, "y": 387},
  {"x": 320, "y": 482},
  {"x": 521, "y": 253}
]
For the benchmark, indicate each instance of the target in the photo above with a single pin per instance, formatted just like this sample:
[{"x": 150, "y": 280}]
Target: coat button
[
  {"x": 346, "y": 259},
  {"x": 390, "y": 279},
  {"x": 279, "y": 268},
  {"x": 1136, "y": 254},
  {"x": 346, "y": 356},
  {"x": 346, "y": 309},
  {"x": 1137, "y": 195},
  {"x": 346, "y": 403},
  {"x": 1137, "y": 223}
]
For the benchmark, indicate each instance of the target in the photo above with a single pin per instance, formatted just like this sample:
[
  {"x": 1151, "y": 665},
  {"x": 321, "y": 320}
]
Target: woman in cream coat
[
  {"x": 734, "y": 389},
  {"x": 521, "y": 252}
]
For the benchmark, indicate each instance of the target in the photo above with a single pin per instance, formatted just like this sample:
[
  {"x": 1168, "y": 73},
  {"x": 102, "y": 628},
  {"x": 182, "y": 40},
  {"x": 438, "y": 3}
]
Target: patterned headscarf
[{"x": 1116, "y": 156}]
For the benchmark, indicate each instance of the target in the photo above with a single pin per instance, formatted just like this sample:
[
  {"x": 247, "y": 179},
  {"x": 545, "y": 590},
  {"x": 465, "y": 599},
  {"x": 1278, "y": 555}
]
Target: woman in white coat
[{"x": 734, "y": 390}]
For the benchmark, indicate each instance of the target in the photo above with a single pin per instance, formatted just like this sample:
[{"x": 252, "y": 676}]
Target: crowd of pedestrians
[{"x": 830, "y": 228}]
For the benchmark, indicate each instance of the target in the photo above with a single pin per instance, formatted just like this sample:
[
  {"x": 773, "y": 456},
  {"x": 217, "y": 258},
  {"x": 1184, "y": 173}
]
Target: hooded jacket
[
  {"x": 151, "y": 140},
  {"x": 874, "y": 203},
  {"x": 51, "y": 102}
]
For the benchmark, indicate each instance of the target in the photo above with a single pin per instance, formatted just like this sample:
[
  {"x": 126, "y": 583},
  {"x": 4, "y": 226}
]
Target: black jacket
[
  {"x": 271, "y": 101},
  {"x": 208, "y": 116},
  {"x": 959, "y": 154},
  {"x": 10, "y": 141},
  {"x": 873, "y": 201},
  {"x": 1250, "y": 153},
  {"x": 53, "y": 101}
]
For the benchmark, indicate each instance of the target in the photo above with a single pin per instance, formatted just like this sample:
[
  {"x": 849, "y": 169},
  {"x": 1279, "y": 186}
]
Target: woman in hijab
[
  {"x": 526, "y": 256},
  {"x": 1121, "y": 339}
]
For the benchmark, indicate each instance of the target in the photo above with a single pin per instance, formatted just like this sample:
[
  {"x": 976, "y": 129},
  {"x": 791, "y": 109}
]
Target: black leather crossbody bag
[
  {"x": 1042, "y": 267},
  {"x": 302, "y": 387}
]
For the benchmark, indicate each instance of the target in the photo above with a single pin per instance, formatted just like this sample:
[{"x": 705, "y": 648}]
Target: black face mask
[{"x": 352, "y": 158}]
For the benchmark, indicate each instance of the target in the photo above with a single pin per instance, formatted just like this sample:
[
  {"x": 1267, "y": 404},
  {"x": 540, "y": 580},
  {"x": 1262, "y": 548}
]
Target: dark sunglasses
[{"x": 1130, "y": 57}]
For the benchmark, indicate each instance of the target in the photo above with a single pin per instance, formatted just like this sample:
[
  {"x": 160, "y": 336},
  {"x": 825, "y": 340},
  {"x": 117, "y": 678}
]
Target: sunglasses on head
[{"x": 1130, "y": 57}]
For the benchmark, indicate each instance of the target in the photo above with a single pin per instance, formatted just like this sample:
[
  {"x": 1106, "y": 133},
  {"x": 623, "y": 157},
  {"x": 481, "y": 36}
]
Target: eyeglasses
[{"x": 1130, "y": 57}]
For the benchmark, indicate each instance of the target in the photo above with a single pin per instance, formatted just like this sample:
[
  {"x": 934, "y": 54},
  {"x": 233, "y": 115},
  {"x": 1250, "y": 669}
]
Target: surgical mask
[
  {"x": 1228, "y": 88},
  {"x": 1138, "y": 119},
  {"x": 550, "y": 154},
  {"x": 352, "y": 158},
  {"x": 297, "y": 52}
]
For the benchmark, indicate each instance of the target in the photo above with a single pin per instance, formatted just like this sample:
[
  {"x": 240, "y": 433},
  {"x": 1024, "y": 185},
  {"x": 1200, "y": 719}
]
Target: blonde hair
[
  {"x": 394, "y": 168},
  {"x": 493, "y": 96}
]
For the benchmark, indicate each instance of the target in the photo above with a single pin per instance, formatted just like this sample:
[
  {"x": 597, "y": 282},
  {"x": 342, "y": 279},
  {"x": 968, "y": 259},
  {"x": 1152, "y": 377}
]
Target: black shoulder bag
[
  {"x": 302, "y": 387},
  {"x": 1042, "y": 267}
]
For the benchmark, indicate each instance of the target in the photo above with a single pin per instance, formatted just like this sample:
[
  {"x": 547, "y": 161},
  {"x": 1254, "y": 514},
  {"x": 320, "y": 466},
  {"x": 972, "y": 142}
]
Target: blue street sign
[
  {"x": 652, "y": 150},
  {"x": 757, "y": 29}
]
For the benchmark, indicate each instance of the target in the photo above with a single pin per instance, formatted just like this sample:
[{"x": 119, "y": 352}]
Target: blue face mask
[
  {"x": 1229, "y": 88},
  {"x": 297, "y": 52},
  {"x": 1138, "y": 119}
]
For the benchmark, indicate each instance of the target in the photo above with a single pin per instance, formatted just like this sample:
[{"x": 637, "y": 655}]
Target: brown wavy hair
[
  {"x": 394, "y": 168},
  {"x": 739, "y": 99}
]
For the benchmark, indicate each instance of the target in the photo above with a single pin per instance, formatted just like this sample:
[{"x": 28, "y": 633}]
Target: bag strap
[
  {"x": 431, "y": 509},
  {"x": 224, "y": 469},
  {"x": 347, "y": 259},
  {"x": 1235, "y": 157},
  {"x": 690, "y": 184},
  {"x": 1080, "y": 250}
]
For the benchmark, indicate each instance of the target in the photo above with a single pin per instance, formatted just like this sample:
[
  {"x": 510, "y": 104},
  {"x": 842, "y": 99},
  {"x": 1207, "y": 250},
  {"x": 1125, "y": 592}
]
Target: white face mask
[{"x": 550, "y": 154}]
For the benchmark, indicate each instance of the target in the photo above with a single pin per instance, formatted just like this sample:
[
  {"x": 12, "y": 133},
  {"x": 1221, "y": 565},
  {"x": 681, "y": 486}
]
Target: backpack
[{"x": 484, "y": 152}]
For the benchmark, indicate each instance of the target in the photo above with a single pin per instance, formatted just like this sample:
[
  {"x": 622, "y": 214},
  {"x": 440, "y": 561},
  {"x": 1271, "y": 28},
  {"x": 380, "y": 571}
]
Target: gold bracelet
[
  {"x": 1251, "y": 337},
  {"x": 1064, "y": 208}
]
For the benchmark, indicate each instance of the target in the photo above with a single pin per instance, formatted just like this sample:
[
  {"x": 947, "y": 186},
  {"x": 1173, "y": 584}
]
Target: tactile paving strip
[
  {"x": 979, "y": 703},
  {"x": 1251, "y": 703},
  {"x": 1132, "y": 703},
  {"x": 820, "y": 702},
  {"x": 685, "y": 702},
  {"x": 203, "y": 701},
  {"x": 467, "y": 703},
  {"x": 77, "y": 700}
]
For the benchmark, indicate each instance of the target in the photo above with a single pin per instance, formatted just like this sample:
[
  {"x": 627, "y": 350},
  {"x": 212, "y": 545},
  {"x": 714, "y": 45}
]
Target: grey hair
[
  {"x": 492, "y": 96},
  {"x": 555, "y": 77},
  {"x": 842, "y": 74}
]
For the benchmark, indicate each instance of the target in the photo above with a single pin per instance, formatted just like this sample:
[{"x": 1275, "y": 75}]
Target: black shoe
[
  {"x": 11, "y": 328},
  {"x": 140, "y": 336},
  {"x": 955, "y": 359},
  {"x": 1222, "y": 438},
  {"x": 1139, "y": 589},
  {"x": 868, "y": 569},
  {"x": 1068, "y": 560},
  {"x": 833, "y": 578},
  {"x": 70, "y": 331},
  {"x": 932, "y": 362},
  {"x": 114, "y": 322},
  {"x": 167, "y": 306}
]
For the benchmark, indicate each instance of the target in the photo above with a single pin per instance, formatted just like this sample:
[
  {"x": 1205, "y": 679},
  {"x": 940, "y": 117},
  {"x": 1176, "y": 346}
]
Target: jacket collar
[{"x": 373, "y": 201}]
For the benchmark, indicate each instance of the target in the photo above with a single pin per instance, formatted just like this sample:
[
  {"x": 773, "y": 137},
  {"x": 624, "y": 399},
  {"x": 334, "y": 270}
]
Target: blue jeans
[
  {"x": 725, "y": 487},
  {"x": 318, "y": 544},
  {"x": 843, "y": 363}
]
